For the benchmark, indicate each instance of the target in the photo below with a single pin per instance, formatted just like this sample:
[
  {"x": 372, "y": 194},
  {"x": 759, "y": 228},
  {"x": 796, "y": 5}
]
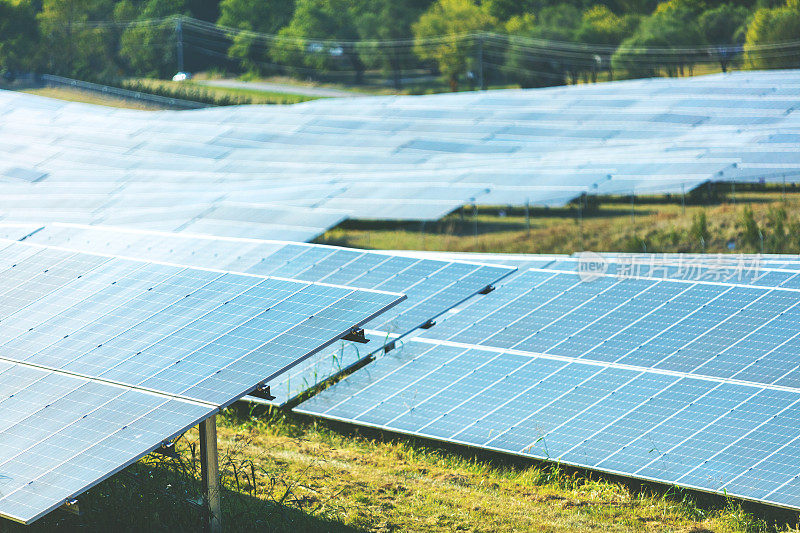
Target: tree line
[{"x": 530, "y": 43}]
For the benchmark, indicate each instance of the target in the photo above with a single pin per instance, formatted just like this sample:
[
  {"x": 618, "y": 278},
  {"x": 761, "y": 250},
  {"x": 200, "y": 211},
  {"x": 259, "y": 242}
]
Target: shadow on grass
[{"x": 161, "y": 495}]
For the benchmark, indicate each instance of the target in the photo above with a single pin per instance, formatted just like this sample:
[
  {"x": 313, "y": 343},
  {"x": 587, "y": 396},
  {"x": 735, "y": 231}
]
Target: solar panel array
[
  {"x": 694, "y": 383},
  {"x": 293, "y": 171},
  {"x": 102, "y": 358},
  {"x": 432, "y": 286}
]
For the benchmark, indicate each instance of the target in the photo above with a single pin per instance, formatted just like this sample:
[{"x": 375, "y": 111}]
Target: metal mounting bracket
[
  {"x": 262, "y": 392},
  {"x": 356, "y": 335},
  {"x": 487, "y": 289}
]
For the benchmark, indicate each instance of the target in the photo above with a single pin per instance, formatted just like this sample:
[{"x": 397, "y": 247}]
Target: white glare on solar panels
[{"x": 389, "y": 158}]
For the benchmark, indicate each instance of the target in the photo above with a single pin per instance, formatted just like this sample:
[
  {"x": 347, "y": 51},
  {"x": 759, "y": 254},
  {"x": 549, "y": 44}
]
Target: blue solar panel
[
  {"x": 683, "y": 382},
  {"x": 104, "y": 358},
  {"x": 431, "y": 286}
]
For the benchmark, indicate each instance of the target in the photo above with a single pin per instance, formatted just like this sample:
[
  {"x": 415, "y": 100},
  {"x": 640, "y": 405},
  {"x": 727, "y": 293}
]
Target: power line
[{"x": 517, "y": 41}]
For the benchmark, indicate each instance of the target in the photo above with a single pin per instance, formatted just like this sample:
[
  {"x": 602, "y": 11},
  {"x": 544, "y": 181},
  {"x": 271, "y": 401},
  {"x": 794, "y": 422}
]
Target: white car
[{"x": 182, "y": 76}]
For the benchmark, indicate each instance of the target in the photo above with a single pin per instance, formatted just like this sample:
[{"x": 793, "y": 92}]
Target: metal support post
[{"x": 209, "y": 472}]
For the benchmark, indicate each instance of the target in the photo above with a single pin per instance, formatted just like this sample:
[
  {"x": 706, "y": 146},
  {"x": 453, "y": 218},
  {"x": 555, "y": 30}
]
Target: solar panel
[
  {"x": 446, "y": 150},
  {"x": 63, "y": 434},
  {"x": 432, "y": 286},
  {"x": 103, "y": 358},
  {"x": 693, "y": 383}
]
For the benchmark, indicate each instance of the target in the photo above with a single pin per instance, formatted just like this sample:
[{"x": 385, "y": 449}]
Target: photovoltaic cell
[
  {"x": 104, "y": 358},
  {"x": 692, "y": 383},
  {"x": 432, "y": 286}
]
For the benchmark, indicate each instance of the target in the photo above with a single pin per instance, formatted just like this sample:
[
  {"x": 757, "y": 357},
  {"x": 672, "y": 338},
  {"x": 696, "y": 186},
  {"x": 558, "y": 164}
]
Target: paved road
[{"x": 277, "y": 87}]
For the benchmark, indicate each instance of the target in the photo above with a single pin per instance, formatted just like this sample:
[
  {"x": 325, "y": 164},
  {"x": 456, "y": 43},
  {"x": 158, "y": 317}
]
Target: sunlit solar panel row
[
  {"x": 431, "y": 286},
  {"x": 390, "y": 157},
  {"x": 681, "y": 381}
]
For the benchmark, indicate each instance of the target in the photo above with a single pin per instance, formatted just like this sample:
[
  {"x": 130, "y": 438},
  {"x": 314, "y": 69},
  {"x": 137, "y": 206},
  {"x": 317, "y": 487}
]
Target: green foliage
[
  {"x": 311, "y": 37},
  {"x": 388, "y": 20},
  {"x": 217, "y": 97},
  {"x": 448, "y": 20},
  {"x": 19, "y": 35},
  {"x": 673, "y": 25},
  {"x": 68, "y": 46},
  {"x": 599, "y": 25},
  {"x": 335, "y": 38},
  {"x": 506, "y": 9},
  {"x": 775, "y": 241},
  {"x": 724, "y": 25},
  {"x": 770, "y": 26},
  {"x": 267, "y": 16},
  {"x": 150, "y": 50}
]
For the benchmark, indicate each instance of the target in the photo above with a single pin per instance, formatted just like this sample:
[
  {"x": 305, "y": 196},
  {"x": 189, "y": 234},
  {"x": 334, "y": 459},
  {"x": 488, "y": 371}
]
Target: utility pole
[
  {"x": 179, "y": 35},
  {"x": 481, "y": 79}
]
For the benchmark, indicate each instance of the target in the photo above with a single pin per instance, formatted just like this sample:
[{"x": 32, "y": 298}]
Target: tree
[
  {"x": 672, "y": 25},
  {"x": 441, "y": 36},
  {"x": 600, "y": 26},
  {"x": 151, "y": 49},
  {"x": 321, "y": 36},
  {"x": 534, "y": 63},
  {"x": 388, "y": 20},
  {"x": 773, "y": 26},
  {"x": 18, "y": 36},
  {"x": 506, "y": 9},
  {"x": 525, "y": 62},
  {"x": 265, "y": 16},
  {"x": 722, "y": 27},
  {"x": 71, "y": 47}
]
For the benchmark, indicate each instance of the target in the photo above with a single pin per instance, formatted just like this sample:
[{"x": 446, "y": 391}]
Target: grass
[
  {"x": 285, "y": 472},
  {"x": 91, "y": 97},
  {"x": 653, "y": 224},
  {"x": 238, "y": 95}
]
